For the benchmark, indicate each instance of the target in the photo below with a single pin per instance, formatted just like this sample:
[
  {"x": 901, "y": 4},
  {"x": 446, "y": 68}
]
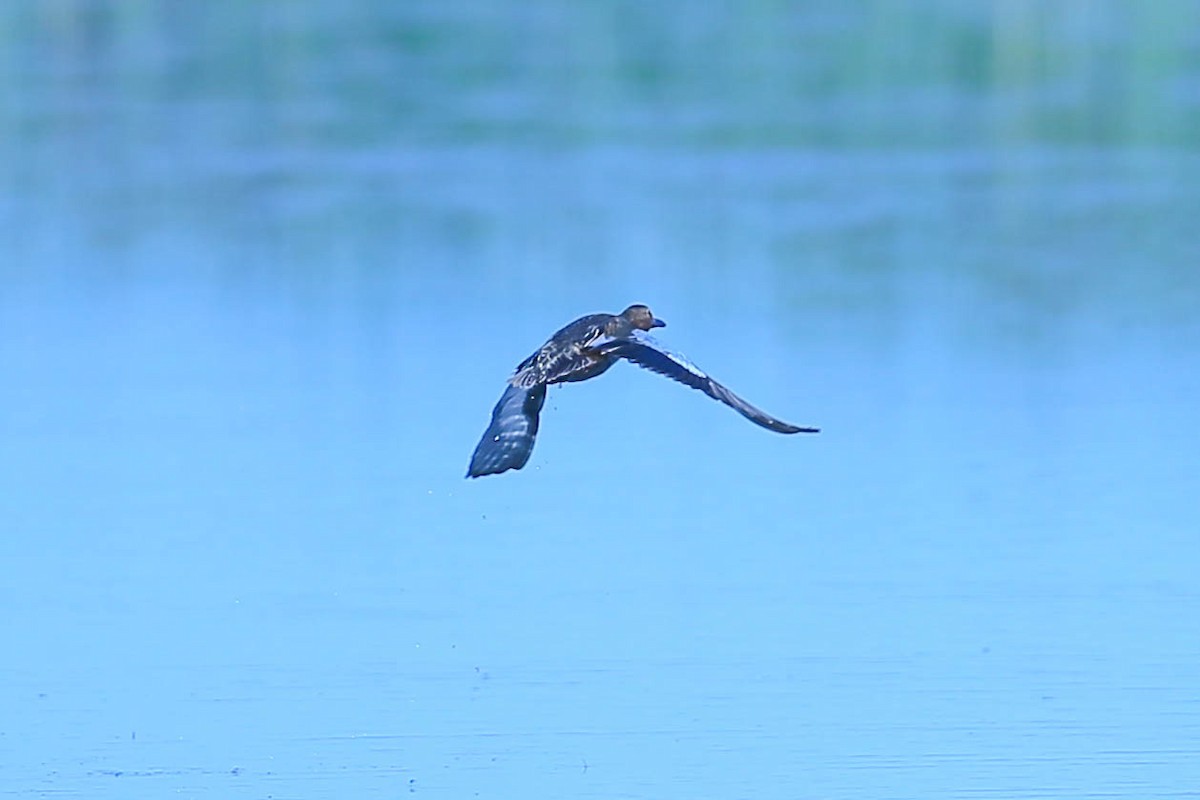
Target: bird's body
[
  {"x": 581, "y": 350},
  {"x": 566, "y": 356},
  {"x": 569, "y": 354}
]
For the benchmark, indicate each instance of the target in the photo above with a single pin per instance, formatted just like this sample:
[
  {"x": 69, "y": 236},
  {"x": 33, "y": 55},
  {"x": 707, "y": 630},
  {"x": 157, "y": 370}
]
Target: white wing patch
[{"x": 678, "y": 358}]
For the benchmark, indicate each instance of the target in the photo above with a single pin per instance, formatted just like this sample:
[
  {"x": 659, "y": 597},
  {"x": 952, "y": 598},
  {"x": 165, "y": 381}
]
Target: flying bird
[{"x": 584, "y": 349}]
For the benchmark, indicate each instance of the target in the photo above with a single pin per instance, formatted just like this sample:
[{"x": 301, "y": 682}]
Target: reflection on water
[{"x": 267, "y": 267}]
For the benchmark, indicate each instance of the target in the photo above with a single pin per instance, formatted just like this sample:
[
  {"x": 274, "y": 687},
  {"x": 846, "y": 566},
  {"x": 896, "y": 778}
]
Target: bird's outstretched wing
[
  {"x": 646, "y": 352},
  {"x": 508, "y": 441}
]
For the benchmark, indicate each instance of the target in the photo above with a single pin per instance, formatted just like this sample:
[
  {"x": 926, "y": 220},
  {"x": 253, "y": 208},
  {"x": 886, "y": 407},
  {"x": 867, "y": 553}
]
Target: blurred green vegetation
[{"x": 929, "y": 74}]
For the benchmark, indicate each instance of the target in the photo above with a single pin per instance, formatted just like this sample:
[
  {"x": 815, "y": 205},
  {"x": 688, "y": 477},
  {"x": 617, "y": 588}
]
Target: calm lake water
[{"x": 266, "y": 267}]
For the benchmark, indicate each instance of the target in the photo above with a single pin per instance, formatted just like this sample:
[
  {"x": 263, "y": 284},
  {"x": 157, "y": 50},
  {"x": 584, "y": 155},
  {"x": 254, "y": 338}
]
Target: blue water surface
[{"x": 266, "y": 267}]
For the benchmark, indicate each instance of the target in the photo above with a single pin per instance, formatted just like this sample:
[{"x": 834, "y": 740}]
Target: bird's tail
[{"x": 508, "y": 441}]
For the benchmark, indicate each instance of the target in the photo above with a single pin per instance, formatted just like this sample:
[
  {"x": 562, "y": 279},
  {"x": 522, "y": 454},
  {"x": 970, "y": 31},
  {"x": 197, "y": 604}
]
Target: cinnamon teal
[{"x": 582, "y": 350}]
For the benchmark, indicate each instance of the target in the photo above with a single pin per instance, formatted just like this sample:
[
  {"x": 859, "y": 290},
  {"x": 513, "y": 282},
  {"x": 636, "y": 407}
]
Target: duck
[{"x": 580, "y": 351}]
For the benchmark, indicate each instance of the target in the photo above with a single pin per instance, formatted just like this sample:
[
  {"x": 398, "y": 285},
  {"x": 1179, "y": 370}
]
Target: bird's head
[{"x": 642, "y": 318}]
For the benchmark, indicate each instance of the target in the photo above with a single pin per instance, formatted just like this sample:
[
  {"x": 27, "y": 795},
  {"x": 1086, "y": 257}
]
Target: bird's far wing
[
  {"x": 644, "y": 351},
  {"x": 508, "y": 441}
]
